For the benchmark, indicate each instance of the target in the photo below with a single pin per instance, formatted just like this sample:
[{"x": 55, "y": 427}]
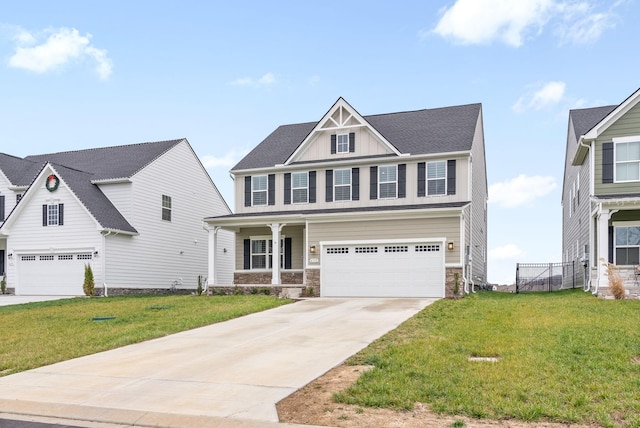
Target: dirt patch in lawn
[{"x": 313, "y": 405}]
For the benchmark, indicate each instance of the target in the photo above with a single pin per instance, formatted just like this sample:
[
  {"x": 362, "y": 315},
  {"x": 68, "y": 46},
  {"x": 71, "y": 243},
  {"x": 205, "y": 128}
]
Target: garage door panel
[
  {"x": 385, "y": 270},
  {"x": 56, "y": 275}
]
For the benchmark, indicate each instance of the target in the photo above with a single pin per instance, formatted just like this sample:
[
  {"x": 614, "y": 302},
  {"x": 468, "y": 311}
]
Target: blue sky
[{"x": 78, "y": 74}]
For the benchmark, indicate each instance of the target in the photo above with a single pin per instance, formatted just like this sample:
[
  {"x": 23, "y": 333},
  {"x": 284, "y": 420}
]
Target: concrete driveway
[{"x": 227, "y": 374}]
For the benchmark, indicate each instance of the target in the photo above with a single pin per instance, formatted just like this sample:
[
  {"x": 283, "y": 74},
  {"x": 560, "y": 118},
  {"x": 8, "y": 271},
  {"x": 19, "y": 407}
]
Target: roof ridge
[
  {"x": 177, "y": 140},
  {"x": 422, "y": 110}
]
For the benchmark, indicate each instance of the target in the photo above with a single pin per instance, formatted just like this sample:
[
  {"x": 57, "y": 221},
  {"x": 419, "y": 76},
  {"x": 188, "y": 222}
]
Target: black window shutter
[
  {"x": 352, "y": 142},
  {"x": 247, "y": 191},
  {"x": 329, "y": 185},
  {"x": 44, "y": 215},
  {"x": 373, "y": 183},
  {"x": 451, "y": 177},
  {"x": 60, "y": 214},
  {"x": 611, "y": 237},
  {"x": 2, "y": 208},
  {"x": 287, "y": 188},
  {"x": 271, "y": 189},
  {"x": 422, "y": 179},
  {"x": 607, "y": 162},
  {"x": 287, "y": 253},
  {"x": 402, "y": 180},
  {"x": 247, "y": 254},
  {"x": 333, "y": 144},
  {"x": 312, "y": 187},
  {"x": 355, "y": 184}
]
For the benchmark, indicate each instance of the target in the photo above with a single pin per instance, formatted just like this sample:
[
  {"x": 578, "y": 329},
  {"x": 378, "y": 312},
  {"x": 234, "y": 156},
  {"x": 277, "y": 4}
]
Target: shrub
[
  {"x": 615, "y": 281},
  {"x": 89, "y": 286},
  {"x": 199, "y": 289}
]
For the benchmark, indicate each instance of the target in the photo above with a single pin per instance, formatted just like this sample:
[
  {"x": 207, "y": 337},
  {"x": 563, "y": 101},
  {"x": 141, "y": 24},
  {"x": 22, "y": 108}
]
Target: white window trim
[
  {"x": 380, "y": 182},
  {"x": 50, "y": 205},
  {"x": 299, "y": 188},
  {"x": 616, "y": 141},
  {"x": 338, "y": 138},
  {"x": 342, "y": 185},
  {"x": 426, "y": 171},
  {"x": 617, "y": 225},
  {"x": 168, "y": 209},
  {"x": 254, "y": 191},
  {"x": 268, "y": 254}
]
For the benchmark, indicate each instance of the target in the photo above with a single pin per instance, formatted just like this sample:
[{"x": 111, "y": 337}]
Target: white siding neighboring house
[
  {"x": 601, "y": 194},
  {"x": 134, "y": 213},
  {"x": 382, "y": 205}
]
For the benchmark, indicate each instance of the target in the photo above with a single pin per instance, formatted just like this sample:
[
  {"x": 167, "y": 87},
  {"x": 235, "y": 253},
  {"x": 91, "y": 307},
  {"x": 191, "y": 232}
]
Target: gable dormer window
[
  {"x": 53, "y": 214},
  {"x": 259, "y": 190},
  {"x": 343, "y": 143}
]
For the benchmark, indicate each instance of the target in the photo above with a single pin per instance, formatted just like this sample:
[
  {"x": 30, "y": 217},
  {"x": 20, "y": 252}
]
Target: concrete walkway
[
  {"x": 10, "y": 299},
  {"x": 227, "y": 374}
]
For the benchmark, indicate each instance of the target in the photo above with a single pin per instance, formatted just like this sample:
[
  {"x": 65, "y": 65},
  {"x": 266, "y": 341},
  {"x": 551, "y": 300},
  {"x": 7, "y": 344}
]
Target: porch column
[
  {"x": 275, "y": 253},
  {"x": 603, "y": 247},
  {"x": 213, "y": 247}
]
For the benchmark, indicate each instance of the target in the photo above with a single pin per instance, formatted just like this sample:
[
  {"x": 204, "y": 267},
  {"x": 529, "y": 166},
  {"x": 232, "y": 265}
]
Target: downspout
[{"x": 104, "y": 262}]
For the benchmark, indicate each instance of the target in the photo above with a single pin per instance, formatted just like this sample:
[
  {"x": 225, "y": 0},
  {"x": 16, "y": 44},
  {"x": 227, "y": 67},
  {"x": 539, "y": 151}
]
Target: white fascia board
[
  {"x": 385, "y": 215},
  {"x": 112, "y": 180},
  {"x": 613, "y": 117}
]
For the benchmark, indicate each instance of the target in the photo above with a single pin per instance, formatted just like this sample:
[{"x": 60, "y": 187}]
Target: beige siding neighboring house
[
  {"x": 601, "y": 194},
  {"x": 134, "y": 213},
  {"x": 382, "y": 205}
]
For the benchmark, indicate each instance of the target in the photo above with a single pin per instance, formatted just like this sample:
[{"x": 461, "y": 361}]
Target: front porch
[{"x": 630, "y": 276}]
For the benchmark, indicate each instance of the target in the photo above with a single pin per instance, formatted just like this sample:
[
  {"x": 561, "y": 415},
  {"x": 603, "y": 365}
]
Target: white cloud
[
  {"x": 542, "y": 96},
  {"x": 522, "y": 190},
  {"x": 228, "y": 160},
  {"x": 511, "y": 22},
  {"x": 506, "y": 252},
  {"x": 267, "y": 79},
  {"x": 61, "y": 47}
]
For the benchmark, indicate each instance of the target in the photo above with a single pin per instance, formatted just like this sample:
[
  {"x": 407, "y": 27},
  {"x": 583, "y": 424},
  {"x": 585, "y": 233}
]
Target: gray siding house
[
  {"x": 134, "y": 213},
  {"x": 601, "y": 194},
  {"x": 350, "y": 205}
]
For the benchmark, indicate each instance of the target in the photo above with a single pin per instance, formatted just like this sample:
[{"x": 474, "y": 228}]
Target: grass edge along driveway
[
  {"x": 563, "y": 357},
  {"x": 38, "y": 334}
]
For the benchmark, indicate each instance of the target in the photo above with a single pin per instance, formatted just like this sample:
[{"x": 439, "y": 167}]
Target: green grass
[
  {"x": 563, "y": 357},
  {"x": 37, "y": 334}
]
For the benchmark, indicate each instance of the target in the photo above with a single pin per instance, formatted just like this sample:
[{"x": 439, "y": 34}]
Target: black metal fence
[{"x": 537, "y": 277}]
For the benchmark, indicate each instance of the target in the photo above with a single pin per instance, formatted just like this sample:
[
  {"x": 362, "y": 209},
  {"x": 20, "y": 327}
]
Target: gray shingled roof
[
  {"x": 429, "y": 131},
  {"x": 585, "y": 119},
  {"x": 79, "y": 168}
]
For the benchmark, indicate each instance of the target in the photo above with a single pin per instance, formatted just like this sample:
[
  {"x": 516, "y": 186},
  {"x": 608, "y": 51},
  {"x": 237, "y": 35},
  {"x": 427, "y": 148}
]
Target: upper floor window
[
  {"x": 166, "y": 207},
  {"x": 627, "y": 161},
  {"x": 342, "y": 184},
  {"x": 343, "y": 143},
  {"x": 627, "y": 245},
  {"x": 259, "y": 190},
  {"x": 436, "y": 178},
  {"x": 388, "y": 181},
  {"x": 52, "y": 214},
  {"x": 300, "y": 187}
]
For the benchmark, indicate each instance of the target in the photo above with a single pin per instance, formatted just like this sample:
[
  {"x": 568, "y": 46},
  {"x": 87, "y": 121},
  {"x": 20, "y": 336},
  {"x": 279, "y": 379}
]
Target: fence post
[
  {"x": 517, "y": 278},
  {"x": 550, "y": 275}
]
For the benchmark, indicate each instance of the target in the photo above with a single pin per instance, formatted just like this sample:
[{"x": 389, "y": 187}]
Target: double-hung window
[
  {"x": 166, "y": 207},
  {"x": 627, "y": 245},
  {"x": 52, "y": 214},
  {"x": 342, "y": 185},
  {"x": 259, "y": 189},
  {"x": 436, "y": 178},
  {"x": 388, "y": 181},
  {"x": 262, "y": 253},
  {"x": 300, "y": 187},
  {"x": 627, "y": 155},
  {"x": 342, "y": 145}
]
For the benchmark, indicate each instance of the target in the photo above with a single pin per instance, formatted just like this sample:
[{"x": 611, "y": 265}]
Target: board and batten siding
[
  {"x": 364, "y": 199},
  {"x": 628, "y": 125},
  {"x": 359, "y": 230},
  {"x": 79, "y": 232},
  {"x": 366, "y": 144},
  {"x": 295, "y": 232},
  {"x": 166, "y": 251}
]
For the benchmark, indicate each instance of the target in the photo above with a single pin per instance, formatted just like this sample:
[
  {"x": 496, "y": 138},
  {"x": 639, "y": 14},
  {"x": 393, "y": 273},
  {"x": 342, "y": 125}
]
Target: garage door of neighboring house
[
  {"x": 383, "y": 270},
  {"x": 52, "y": 274}
]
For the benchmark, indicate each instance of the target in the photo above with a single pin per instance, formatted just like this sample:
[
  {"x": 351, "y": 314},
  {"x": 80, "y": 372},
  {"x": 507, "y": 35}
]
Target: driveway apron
[{"x": 238, "y": 369}]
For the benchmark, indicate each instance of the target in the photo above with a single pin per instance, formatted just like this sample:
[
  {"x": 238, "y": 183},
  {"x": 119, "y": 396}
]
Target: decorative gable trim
[
  {"x": 612, "y": 117},
  {"x": 340, "y": 117}
]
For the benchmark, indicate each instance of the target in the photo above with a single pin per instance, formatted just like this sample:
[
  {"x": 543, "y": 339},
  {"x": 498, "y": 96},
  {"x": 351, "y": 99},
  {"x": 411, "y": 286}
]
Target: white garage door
[
  {"x": 383, "y": 270},
  {"x": 55, "y": 275}
]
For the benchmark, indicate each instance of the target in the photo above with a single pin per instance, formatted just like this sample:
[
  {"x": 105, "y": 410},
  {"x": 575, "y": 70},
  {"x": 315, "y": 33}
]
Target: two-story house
[
  {"x": 601, "y": 193},
  {"x": 133, "y": 213},
  {"x": 382, "y": 205}
]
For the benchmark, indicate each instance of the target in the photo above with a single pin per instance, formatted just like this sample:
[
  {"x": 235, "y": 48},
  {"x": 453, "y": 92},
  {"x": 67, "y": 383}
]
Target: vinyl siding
[
  {"x": 165, "y": 251},
  {"x": 627, "y": 125},
  {"x": 477, "y": 235},
  {"x": 120, "y": 195},
  {"x": 28, "y": 236},
  {"x": 10, "y": 197},
  {"x": 427, "y": 228}
]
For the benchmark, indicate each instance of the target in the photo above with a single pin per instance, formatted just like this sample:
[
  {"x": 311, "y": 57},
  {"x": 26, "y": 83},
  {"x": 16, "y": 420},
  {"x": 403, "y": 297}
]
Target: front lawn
[
  {"x": 38, "y": 334},
  {"x": 564, "y": 357}
]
